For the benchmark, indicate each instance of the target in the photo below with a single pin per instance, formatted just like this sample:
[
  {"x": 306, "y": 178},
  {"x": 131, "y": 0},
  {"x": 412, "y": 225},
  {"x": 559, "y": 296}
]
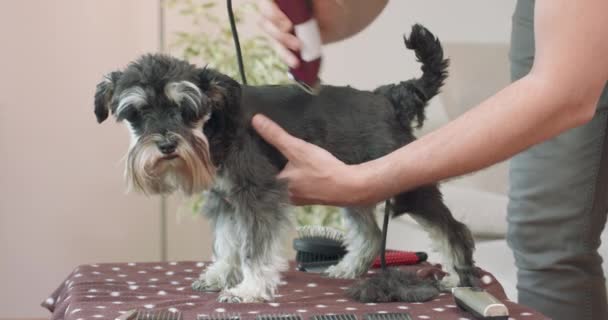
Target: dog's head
[{"x": 167, "y": 105}]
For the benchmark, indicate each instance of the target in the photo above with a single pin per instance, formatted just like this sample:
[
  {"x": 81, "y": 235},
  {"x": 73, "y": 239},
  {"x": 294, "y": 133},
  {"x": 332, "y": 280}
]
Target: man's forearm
[
  {"x": 516, "y": 118},
  {"x": 340, "y": 19},
  {"x": 561, "y": 92}
]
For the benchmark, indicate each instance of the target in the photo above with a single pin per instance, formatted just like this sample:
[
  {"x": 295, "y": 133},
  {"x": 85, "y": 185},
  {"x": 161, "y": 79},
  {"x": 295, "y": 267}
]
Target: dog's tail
[{"x": 411, "y": 97}]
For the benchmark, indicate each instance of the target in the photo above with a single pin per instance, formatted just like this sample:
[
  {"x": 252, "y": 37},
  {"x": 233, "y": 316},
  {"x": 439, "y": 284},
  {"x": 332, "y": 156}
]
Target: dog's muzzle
[{"x": 161, "y": 164}]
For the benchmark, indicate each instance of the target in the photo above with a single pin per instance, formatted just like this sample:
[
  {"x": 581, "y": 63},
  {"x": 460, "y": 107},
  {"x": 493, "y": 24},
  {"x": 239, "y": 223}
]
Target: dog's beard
[{"x": 151, "y": 172}]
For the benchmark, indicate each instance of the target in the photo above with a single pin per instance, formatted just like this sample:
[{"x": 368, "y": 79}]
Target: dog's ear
[
  {"x": 222, "y": 91},
  {"x": 104, "y": 94}
]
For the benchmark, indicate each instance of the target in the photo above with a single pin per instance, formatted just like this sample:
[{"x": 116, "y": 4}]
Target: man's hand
[
  {"x": 313, "y": 175},
  {"x": 337, "y": 19}
]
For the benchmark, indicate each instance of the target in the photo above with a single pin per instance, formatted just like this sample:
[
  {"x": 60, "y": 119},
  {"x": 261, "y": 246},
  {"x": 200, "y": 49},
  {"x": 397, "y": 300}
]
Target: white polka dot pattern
[
  {"x": 107, "y": 290},
  {"x": 486, "y": 279}
]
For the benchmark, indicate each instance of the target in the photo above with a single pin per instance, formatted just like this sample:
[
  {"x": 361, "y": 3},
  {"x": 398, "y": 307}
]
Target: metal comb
[
  {"x": 219, "y": 316},
  {"x": 281, "y": 316},
  {"x": 387, "y": 316},
  {"x": 151, "y": 315},
  {"x": 347, "y": 316}
]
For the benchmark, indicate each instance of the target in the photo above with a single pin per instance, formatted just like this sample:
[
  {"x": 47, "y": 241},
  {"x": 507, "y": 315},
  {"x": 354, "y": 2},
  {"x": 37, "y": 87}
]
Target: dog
[{"x": 190, "y": 132}]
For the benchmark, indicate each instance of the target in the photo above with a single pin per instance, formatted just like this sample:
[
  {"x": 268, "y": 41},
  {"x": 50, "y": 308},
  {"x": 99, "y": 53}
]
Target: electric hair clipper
[
  {"x": 480, "y": 303},
  {"x": 307, "y": 30}
]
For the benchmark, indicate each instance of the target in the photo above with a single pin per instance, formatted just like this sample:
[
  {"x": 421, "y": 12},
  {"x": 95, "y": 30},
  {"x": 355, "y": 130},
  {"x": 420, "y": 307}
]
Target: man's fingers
[
  {"x": 274, "y": 134},
  {"x": 284, "y": 38},
  {"x": 271, "y": 11},
  {"x": 287, "y": 56}
]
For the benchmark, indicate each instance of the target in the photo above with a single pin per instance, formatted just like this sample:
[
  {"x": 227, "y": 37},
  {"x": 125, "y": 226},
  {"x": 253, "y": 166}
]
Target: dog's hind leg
[
  {"x": 450, "y": 238},
  {"x": 261, "y": 225},
  {"x": 225, "y": 271},
  {"x": 363, "y": 240}
]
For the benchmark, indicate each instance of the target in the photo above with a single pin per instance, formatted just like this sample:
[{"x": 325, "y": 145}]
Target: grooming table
[{"x": 104, "y": 291}]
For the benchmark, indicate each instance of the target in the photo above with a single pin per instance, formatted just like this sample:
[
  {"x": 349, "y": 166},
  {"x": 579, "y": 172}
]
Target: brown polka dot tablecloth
[{"x": 105, "y": 291}]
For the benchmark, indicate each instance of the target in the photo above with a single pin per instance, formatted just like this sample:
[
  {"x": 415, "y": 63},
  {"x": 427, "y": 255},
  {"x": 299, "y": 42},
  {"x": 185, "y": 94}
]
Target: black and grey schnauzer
[{"x": 191, "y": 132}]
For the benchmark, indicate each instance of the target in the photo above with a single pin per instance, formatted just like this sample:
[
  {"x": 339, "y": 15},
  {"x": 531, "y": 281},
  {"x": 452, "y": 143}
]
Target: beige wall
[{"x": 62, "y": 200}]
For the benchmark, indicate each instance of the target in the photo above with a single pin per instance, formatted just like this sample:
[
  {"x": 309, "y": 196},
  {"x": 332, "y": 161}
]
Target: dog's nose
[{"x": 167, "y": 146}]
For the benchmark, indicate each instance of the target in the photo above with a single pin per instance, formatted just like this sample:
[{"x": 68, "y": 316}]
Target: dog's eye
[
  {"x": 188, "y": 114},
  {"x": 130, "y": 114}
]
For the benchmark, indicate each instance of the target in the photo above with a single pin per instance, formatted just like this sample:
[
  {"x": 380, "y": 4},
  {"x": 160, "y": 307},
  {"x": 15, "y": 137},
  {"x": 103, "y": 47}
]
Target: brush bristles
[{"x": 320, "y": 232}]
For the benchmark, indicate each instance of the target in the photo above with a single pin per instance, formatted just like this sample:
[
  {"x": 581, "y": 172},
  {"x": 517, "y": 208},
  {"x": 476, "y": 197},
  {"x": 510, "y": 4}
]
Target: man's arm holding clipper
[
  {"x": 561, "y": 92},
  {"x": 337, "y": 19}
]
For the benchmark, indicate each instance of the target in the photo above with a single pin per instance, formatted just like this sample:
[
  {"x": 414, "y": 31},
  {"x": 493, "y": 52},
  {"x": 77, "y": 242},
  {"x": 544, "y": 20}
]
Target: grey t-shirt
[{"x": 522, "y": 44}]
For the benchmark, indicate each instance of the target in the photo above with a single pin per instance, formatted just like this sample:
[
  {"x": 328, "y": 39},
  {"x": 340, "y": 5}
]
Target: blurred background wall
[{"x": 62, "y": 199}]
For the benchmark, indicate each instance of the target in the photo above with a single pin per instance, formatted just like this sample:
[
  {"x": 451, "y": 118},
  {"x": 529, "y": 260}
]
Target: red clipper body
[{"x": 307, "y": 30}]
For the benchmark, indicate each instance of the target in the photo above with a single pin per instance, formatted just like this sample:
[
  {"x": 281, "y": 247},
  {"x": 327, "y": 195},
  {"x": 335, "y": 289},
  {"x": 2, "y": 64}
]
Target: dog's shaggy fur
[{"x": 191, "y": 131}]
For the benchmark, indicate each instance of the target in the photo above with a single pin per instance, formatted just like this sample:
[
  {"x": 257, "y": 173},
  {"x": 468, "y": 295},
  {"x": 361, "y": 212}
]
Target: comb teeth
[
  {"x": 158, "y": 315},
  {"x": 286, "y": 316},
  {"x": 348, "y": 316},
  {"x": 219, "y": 316},
  {"x": 387, "y": 316}
]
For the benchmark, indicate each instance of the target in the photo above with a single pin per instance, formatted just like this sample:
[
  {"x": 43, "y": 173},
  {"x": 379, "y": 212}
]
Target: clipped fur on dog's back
[{"x": 411, "y": 97}]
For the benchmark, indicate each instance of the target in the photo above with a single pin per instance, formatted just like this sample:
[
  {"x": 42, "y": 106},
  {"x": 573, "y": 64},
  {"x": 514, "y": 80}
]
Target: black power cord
[
  {"x": 237, "y": 44},
  {"x": 239, "y": 58},
  {"x": 387, "y": 214}
]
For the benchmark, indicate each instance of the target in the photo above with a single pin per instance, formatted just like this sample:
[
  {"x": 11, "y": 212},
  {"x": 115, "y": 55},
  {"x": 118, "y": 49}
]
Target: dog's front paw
[
  {"x": 217, "y": 277},
  {"x": 203, "y": 285},
  {"x": 238, "y": 295},
  {"x": 340, "y": 271},
  {"x": 248, "y": 292},
  {"x": 227, "y": 297}
]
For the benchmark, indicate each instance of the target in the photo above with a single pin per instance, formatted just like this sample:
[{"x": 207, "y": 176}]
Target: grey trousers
[{"x": 558, "y": 205}]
